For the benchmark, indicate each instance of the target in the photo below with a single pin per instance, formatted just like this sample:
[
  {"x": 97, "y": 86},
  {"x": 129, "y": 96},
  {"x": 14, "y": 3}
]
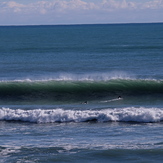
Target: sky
[{"x": 52, "y": 12}]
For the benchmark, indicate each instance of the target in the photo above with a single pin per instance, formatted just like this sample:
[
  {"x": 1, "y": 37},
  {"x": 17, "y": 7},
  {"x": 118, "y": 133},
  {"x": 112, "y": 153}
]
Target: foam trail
[
  {"x": 115, "y": 99},
  {"x": 130, "y": 114}
]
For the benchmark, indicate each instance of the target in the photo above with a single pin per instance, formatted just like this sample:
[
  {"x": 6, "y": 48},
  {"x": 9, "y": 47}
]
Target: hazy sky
[{"x": 31, "y": 12}]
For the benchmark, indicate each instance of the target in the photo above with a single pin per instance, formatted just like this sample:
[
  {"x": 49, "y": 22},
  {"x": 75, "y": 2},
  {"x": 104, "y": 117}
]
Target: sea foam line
[
  {"x": 77, "y": 77},
  {"x": 130, "y": 114}
]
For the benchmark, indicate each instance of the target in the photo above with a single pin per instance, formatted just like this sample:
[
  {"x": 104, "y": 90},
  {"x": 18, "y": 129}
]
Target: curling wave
[{"x": 78, "y": 90}]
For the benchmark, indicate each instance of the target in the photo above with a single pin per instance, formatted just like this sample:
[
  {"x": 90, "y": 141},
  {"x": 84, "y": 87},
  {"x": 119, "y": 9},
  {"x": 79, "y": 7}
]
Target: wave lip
[{"x": 130, "y": 114}]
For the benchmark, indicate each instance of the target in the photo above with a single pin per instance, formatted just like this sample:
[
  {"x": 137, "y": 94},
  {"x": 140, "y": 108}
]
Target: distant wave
[
  {"x": 77, "y": 90},
  {"x": 130, "y": 114}
]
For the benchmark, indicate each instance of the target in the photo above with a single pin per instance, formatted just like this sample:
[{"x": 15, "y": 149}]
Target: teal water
[
  {"x": 74, "y": 93},
  {"x": 134, "y": 49}
]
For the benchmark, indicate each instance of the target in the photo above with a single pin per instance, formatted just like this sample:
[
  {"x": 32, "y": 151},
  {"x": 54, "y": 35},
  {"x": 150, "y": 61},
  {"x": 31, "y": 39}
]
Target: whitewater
[{"x": 142, "y": 115}]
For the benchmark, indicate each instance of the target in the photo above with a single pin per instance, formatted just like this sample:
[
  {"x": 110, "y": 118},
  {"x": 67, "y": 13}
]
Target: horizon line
[{"x": 16, "y": 25}]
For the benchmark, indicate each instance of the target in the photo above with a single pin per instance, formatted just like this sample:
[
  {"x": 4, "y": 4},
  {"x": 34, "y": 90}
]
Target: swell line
[{"x": 78, "y": 90}]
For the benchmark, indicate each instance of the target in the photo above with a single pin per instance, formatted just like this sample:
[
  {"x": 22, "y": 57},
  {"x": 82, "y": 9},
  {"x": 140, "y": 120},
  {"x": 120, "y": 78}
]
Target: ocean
[{"x": 81, "y": 93}]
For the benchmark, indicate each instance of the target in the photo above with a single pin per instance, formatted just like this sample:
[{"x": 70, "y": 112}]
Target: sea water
[{"x": 74, "y": 93}]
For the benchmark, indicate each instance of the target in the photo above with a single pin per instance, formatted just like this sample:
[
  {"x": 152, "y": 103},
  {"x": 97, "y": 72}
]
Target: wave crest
[
  {"x": 130, "y": 114},
  {"x": 78, "y": 90}
]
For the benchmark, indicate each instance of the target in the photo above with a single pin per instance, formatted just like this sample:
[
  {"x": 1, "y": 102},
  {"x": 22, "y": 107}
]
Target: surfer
[
  {"x": 119, "y": 97},
  {"x": 85, "y": 102}
]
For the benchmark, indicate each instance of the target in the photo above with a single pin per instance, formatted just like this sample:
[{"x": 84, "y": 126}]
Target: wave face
[
  {"x": 78, "y": 90},
  {"x": 130, "y": 114}
]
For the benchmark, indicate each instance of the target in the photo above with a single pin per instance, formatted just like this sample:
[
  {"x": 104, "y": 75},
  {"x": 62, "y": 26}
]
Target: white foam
[
  {"x": 94, "y": 76},
  {"x": 78, "y": 77},
  {"x": 8, "y": 150},
  {"x": 60, "y": 115}
]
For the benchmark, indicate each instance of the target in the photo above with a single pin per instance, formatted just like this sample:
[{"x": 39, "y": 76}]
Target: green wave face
[{"x": 77, "y": 90}]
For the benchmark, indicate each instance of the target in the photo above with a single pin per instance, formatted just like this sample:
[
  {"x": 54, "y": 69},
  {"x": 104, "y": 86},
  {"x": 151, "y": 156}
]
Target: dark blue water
[{"x": 81, "y": 93}]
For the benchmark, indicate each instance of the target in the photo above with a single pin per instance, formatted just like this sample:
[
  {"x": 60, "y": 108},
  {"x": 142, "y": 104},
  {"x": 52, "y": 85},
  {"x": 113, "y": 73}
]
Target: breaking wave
[
  {"x": 129, "y": 114},
  {"x": 78, "y": 89}
]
